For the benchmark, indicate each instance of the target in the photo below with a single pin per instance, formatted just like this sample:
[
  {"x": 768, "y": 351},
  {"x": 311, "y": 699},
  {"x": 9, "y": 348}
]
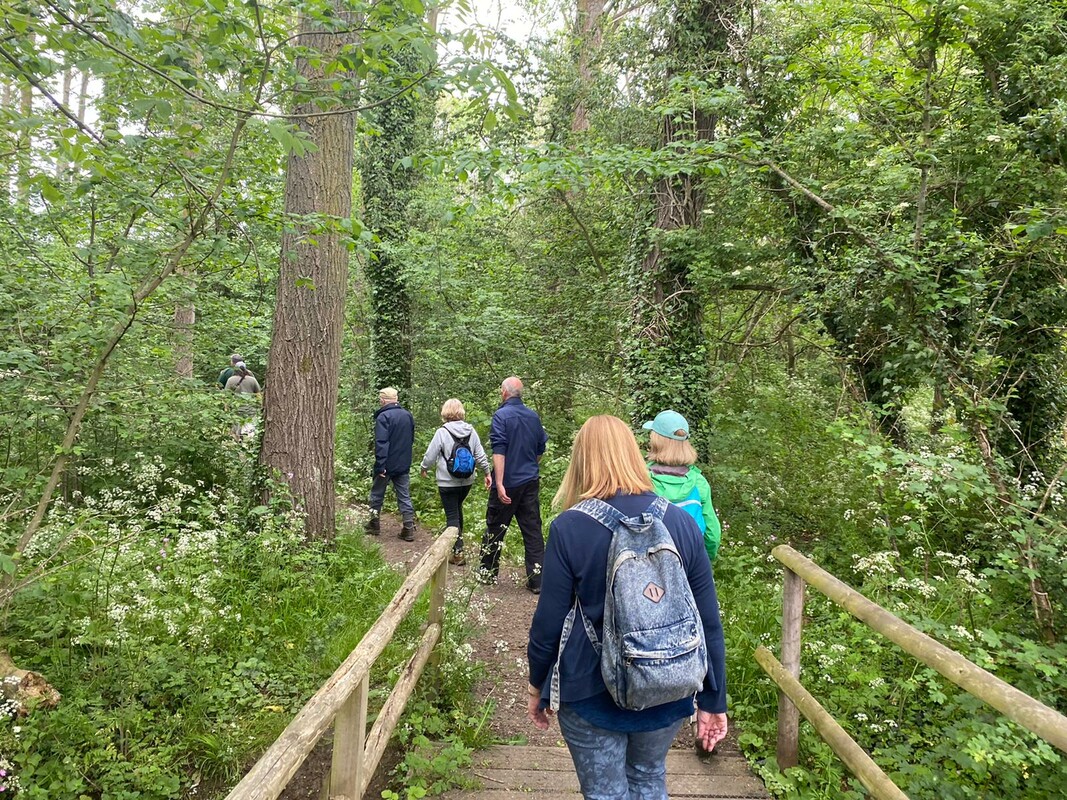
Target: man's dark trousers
[{"x": 525, "y": 507}]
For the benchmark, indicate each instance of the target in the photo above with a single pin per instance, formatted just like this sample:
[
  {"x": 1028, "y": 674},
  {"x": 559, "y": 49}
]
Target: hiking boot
[
  {"x": 407, "y": 533},
  {"x": 457, "y": 559},
  {"x": 374, "y": 525}
]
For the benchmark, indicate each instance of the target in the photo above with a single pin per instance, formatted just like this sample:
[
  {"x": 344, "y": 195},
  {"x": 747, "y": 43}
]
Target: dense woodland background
[{"x": 833, "y": 233}]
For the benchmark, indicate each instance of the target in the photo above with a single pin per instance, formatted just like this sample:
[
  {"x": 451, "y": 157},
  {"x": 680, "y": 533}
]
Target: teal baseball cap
[{"x": 668, "y": 423}]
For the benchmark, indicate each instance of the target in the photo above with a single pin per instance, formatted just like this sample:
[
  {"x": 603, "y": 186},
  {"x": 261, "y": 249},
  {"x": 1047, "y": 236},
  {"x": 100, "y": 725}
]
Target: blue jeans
[
  {"x": 402, "y": 487},
  {"x": 617, "y": 766}
]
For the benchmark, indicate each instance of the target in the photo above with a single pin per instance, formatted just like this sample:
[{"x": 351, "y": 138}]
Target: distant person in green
[
  {"x": 227, "y": 373},
  {"x": 675, "y": 477},
  {"x": 242, "y": 380},
  {"x": 671, "y": 463}
]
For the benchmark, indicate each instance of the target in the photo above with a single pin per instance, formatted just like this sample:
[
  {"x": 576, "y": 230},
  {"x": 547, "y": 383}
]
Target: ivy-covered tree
[
  {"x": 396, "y": 127},
  {"x": 667, "y": 355}
]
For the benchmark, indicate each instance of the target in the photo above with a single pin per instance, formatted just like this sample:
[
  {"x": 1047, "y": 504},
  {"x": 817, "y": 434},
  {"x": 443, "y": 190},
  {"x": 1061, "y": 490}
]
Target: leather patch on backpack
[{"x": 653, "y": 592}]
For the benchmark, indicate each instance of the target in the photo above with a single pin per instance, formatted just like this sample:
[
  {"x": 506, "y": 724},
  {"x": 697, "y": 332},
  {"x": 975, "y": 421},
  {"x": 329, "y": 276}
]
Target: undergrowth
[
  {"x": 918, "y": 532},
  {"x": 184, "y": 648}
]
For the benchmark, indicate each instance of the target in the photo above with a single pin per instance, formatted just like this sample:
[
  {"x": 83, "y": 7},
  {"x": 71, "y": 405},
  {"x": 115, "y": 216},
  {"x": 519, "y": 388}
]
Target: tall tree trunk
[
  {"x": 305, "y": 350},
  {"x": 184, "y": 329},
  {"x": 25, "y": 141},
  {"x": 6, "y": 98},
  {"x": 590, "y": 37},
  {"x": 61, "y": 160},
  {"x": 83, "y": 95},
  {"x": 667, "y": 357}
]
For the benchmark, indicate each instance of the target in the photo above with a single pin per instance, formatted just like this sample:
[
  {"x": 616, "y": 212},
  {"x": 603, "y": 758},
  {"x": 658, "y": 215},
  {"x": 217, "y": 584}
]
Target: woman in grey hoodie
[{"x": 445, "y": 447}]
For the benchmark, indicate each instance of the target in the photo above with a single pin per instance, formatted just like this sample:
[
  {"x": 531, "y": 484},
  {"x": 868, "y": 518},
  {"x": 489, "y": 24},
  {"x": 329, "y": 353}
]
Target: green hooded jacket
[{"x": 677, "y": 488}]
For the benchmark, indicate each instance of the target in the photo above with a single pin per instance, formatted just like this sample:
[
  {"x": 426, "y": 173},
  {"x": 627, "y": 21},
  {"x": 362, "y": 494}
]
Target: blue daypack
[
  {"x": 461, "y": 463},
  {"x": 653, "y": 650},
  {"x": 694, "y": 508}
]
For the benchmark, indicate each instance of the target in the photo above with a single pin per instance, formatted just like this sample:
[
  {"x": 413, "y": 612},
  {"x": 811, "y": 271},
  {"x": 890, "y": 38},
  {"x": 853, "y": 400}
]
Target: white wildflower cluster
[
  {"x": 917, "y": 585},
  {"x": 963, "y": 633},
  {"x": 877, "y": 683},
  {"x": 501, "y": 645},
  {"x": 10, "y": 374},
  {"x": 461, "y": 667},
  {"x": 163, "y": 579},
  {"x": 878, "y": 563},
  {"x": 9, "y": 781},
  {"x": 972, "y": 582},
  {"x": 1034, "y": 486},
  {"x": 9, "y": 706}
]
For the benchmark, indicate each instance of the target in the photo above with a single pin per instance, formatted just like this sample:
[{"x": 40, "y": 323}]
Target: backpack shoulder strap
[
  {"x": 604, "y": 513},
  {"x": 457, "y": 439},
  {"x": 568, "y": 624},
  {"x": 657, "y": 508},
  {"x": 609, "y": 516}
]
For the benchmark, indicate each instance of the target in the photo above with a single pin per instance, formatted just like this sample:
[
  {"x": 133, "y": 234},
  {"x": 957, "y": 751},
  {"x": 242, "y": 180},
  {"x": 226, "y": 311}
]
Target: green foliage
[{"x": 186, "y": 647}]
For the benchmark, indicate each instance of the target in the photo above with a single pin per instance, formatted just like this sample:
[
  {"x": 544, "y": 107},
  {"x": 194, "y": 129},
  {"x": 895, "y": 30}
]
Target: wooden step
[{"x": 547, "y": 772}]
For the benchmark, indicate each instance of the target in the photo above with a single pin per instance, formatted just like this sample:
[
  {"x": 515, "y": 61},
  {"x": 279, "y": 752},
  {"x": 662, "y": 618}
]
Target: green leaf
[{"x": 1038, "y": 230}]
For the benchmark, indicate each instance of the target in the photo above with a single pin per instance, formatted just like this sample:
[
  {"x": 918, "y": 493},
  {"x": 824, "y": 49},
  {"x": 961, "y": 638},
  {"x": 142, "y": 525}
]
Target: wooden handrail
[
  {"x": 344, "y": 696},
  {"x": 1032, "y": 714},
  {"x": 855, "y": 757}
]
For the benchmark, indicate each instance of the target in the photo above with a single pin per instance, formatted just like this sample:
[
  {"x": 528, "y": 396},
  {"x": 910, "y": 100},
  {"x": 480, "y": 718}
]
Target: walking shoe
[
  {"x": 407, "y": 533},
  {"x": 373, "y": 526},
  {"x": 457, "y": 559},
  {"x": 533, "y": 588}
]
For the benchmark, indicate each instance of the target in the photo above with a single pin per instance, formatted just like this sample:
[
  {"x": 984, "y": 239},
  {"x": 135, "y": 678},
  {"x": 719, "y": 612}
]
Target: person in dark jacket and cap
[{"x": 394, "y": 437}]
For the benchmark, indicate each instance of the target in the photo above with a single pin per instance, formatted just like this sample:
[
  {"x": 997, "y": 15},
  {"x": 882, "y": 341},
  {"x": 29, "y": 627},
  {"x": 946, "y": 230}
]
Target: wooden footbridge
[{"x": 546, "y": 772}]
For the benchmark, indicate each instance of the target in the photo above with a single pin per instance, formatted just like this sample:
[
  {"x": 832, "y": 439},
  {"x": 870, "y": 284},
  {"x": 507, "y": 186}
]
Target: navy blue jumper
[
  {"x": 576, "y": 562},
  {"x": 394, "y": 436},
  {"x": 518, "y": 435}
]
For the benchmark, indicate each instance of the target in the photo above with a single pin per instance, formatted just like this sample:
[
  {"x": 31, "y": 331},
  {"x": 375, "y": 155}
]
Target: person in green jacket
[{"x": 671, "y": 463}]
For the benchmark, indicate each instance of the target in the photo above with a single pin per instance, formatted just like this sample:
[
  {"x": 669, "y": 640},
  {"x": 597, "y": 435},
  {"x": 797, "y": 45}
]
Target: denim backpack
[{"x": 653, "y": 650}]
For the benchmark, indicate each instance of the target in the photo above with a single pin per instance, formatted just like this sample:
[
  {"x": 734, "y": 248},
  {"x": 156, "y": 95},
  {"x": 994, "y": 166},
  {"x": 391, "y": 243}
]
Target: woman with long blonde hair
[{"x": 617, "y": 753}]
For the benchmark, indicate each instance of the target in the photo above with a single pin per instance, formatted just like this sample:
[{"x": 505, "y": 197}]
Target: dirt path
[{"x": 500, "y": 621}]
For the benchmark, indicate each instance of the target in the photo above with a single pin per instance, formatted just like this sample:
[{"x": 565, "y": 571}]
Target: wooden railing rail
[
  {"x": 793, "y": 699},
  {"x": 342, "y": 700}
]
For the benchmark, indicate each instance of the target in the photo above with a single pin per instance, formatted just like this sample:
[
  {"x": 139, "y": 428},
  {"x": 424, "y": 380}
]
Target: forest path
[
  {"x": 531, "y": 760},
  {"x": 537, "y": 762}
]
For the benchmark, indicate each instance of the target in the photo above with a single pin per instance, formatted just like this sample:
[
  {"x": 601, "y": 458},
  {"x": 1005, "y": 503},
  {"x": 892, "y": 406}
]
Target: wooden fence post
[
  {"x": 349, "y": 739},
  {"x": 792, "y": 622},
  {"x": 438, "y": 585}
]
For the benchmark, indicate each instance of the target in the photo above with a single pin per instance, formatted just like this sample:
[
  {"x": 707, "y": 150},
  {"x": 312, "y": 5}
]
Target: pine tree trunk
[
  {"x": 301, "y": 384},
  {"x": 83, "y": 95},
  {"x": 61, "y": 161}
]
